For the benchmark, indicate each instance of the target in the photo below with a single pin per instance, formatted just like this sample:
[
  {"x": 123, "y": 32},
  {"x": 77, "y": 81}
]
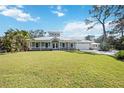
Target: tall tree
[
  {"x": 100, "y": 15},
  {"x": 16, "y": 40},
  {"x": 21, "y": 36},
  {"x": 1, "y": 43},
  {"x": 9, "y": 41},
  {"x": 119, "y": 20}
]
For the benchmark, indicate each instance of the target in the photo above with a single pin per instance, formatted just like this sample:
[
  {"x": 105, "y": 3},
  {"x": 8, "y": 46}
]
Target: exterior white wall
[
  {"x": 57, "y": 45},
  {"x": 76, "y": 45},
  {"x": 82, "y": 46},
  {"x": 95, "y": 46}
]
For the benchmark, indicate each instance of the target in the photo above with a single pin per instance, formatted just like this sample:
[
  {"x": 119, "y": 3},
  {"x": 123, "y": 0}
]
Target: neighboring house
[{"x": 55, "y": 42}]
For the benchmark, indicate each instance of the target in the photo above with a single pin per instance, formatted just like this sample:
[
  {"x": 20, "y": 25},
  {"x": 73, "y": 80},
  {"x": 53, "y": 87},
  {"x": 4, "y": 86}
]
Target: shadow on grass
[{"x": 121, "y": 60}]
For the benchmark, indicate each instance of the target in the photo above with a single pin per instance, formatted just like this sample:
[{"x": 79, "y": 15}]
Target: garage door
[{"x": 82, "y": 46}]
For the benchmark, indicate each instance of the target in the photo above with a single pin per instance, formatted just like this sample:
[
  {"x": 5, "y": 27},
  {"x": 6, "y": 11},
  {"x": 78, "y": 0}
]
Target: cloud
[
  {"x": 51, "y": 6},
  {"x": 59, "y": 11},
  {"x": 17, "y": 13},
  {"x": 2, "y": 7},
  {"x": 59, "y": 8},
  {"x": 79, "y": 29},
  {"x": 59, "y": 14},
  {"x": 74, "y": 26},
  {"x": 19, "y": 6}
]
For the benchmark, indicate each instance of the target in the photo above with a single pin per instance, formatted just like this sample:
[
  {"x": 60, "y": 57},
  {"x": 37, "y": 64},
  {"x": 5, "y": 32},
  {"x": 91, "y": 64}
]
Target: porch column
[
  {"x": 59, "y": 45},
  {"x": 66, "y": 45},
  {"x": 30, "y": 45},
  {"x": 35, "y": 45},
  {"x": 74, "y": 45},
  {"x": 40, "y": 45},
  {"x": 50, "y": 45}
]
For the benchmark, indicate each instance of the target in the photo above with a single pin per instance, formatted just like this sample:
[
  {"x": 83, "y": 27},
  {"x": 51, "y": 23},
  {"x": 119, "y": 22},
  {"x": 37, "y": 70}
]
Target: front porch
[{"x": 53, "y": 45}]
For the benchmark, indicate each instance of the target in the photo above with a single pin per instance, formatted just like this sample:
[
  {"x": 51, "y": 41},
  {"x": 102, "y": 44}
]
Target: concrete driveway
[{"x": 112, "y": 52}]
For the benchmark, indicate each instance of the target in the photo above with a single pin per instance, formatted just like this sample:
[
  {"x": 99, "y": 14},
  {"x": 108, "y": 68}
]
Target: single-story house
[{"x": 55, "y": 42}]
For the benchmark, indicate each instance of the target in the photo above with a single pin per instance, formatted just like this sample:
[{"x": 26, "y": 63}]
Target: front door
[{"x": 55, "y": 45}]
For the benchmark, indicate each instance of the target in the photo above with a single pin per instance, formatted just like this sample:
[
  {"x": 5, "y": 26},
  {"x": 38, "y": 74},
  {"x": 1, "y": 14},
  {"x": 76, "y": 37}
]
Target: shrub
[
  {"x": 104, "y": 46},
  {"x": 119, "y": 43},
  {"x": 120, "y": 55}
]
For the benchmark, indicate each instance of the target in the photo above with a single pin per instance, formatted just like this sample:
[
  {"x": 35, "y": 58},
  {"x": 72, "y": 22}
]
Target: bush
[
  {"x": 104, "y": 46},
  {"x": 120, "y": 55}
]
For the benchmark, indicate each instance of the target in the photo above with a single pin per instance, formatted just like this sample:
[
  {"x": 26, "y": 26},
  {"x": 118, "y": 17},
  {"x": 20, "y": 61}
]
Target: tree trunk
[
  {"x": 122, "y": 33},
  {"x": 104, "y": 33}
]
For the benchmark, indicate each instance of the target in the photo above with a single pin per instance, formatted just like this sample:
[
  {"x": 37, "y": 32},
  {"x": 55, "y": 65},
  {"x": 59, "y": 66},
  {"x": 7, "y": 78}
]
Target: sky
[{"x": 68, "y": 19}]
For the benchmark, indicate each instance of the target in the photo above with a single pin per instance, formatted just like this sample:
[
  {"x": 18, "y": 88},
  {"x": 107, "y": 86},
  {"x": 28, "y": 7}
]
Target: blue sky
[{"x": 67, "y": 19}]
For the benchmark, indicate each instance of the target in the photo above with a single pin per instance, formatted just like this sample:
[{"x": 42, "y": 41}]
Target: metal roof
[
  {"x": 43, "y": 38},
  {"x": 62, "y": 39},
  {"x": 51, "y": 38}
]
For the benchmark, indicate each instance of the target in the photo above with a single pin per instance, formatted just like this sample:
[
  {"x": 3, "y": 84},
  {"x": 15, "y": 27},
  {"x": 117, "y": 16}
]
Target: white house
[{"x": 55, "y": 42}]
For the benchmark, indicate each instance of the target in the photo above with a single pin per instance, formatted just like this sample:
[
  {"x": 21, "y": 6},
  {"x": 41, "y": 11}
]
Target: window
[
  {"x": 71, "y": 45},
  {"x": 56, "y": 45},
  {"x": 46, "y": 45},
  {"x": 37, "y": 44},
  {"x": 53, "y": 45},
  {"x": 63, "y": 44}
]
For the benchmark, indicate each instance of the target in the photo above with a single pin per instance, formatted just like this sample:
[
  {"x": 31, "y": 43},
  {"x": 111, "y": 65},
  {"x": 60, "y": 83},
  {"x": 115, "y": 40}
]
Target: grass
[{"x": 60, "y": 69}]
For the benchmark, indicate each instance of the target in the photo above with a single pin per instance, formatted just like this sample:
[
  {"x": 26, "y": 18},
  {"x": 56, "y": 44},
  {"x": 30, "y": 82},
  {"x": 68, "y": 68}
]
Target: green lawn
[{"x": 60, "y": 69}]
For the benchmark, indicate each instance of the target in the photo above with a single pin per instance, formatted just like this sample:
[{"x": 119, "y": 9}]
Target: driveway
[{"x": 112, "y": 52}]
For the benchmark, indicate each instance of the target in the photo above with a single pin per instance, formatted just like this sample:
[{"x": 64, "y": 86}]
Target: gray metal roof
[
  {"x": 62, "y": 39},
  {"x": 43, "y": 38},
  {"x": 51, "y": 38}
]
